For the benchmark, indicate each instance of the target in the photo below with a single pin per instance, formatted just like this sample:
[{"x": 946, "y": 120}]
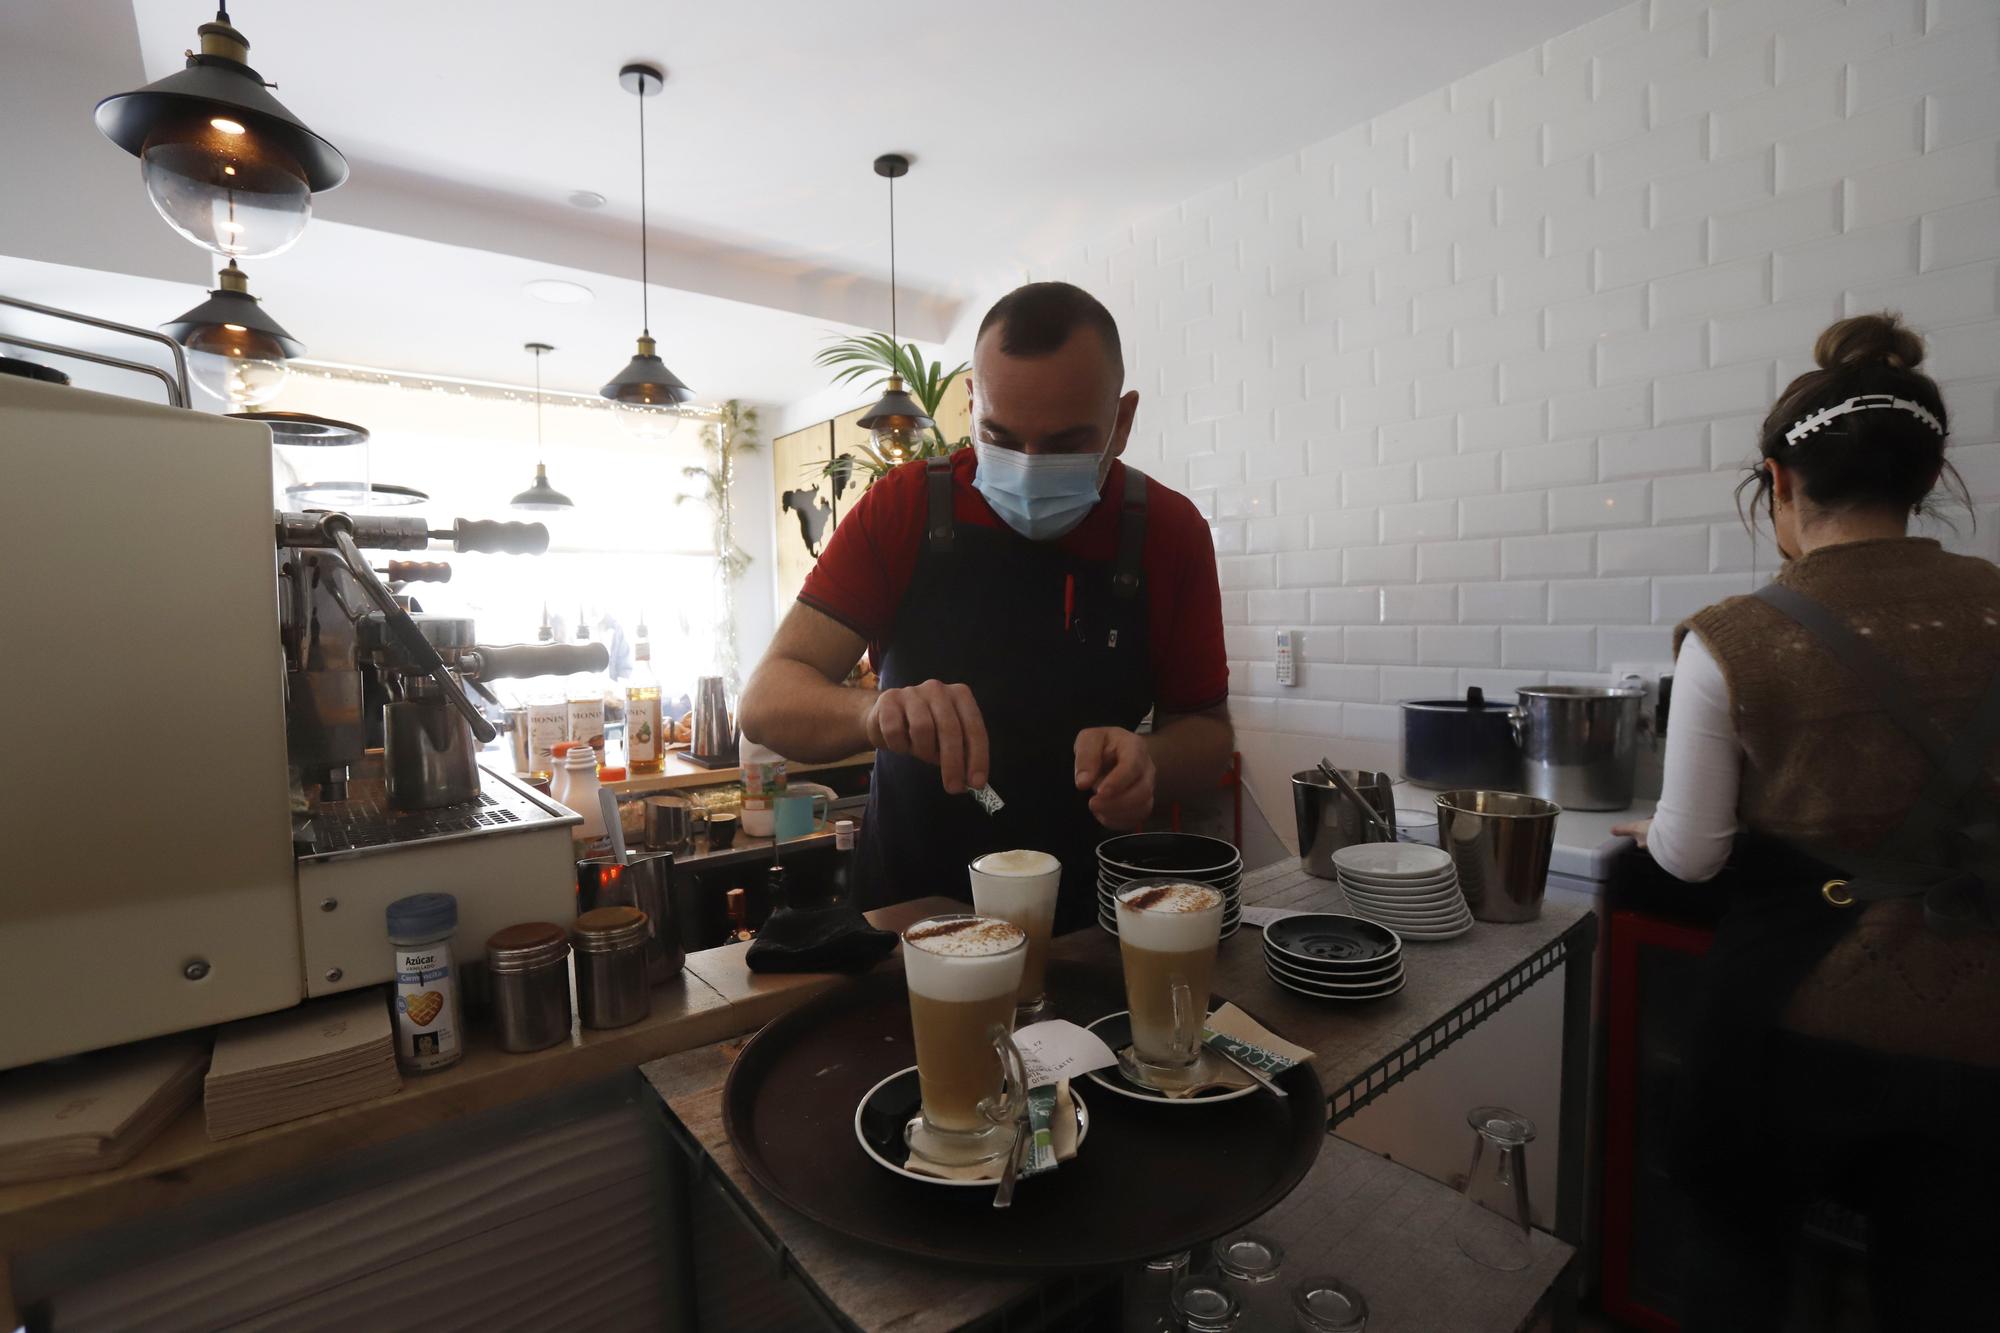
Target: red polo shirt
[{"x": 867, "y": 566}]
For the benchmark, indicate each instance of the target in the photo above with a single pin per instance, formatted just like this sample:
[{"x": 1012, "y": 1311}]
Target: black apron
[
  {"x": 1803, "y": 901},
  {"x": 1050, "y": 645}
]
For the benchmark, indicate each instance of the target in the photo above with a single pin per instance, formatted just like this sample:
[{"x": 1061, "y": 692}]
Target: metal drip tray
[{"x": 364, "y": 822}]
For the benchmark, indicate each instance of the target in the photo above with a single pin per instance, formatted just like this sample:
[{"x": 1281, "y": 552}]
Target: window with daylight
[{"x": 629, "y": 552}]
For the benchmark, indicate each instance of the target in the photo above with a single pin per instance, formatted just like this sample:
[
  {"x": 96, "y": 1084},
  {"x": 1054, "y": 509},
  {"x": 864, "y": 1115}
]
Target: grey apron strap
[
  {"x": 939, "y": 524},
  {"x": 1952, "y": 897},
  {"x": 1131, "y": 566}
]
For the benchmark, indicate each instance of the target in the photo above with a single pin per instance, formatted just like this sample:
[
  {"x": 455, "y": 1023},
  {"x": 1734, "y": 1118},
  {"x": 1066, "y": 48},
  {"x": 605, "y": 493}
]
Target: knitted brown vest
[{"x": 1824, "y": 764}]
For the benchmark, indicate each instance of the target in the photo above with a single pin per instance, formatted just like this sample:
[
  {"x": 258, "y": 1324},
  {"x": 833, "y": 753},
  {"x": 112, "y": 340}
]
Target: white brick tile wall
[
  {"x": 1503, "y": 515},
  {"x": 1458, "y": 562},
  {"x": 1651, "y": 453},
  {"x": 1798, "y": 106},
  {"x": 1960, "y": 235},
  {"x": 1465, "y": 391},
  {"x": 1563, "y": 647},
  {"x": 1619, "y": 504},
  {"x": 1503, "y": 603},
  {"x": 1540, "y": 467},
  {"x": 1458, "y": 646},
  {"x": 1656, "y": 550}
]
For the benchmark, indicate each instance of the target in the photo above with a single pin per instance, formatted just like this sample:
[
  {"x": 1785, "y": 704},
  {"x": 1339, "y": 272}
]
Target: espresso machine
[
  {"x": 383, "y": 742},
  {"x": 228, "y": 743}
]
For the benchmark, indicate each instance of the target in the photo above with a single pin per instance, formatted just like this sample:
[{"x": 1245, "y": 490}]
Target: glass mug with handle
[
  {"x": 1167, "y": 936},
  {"x": 964, "y": 972},
  {"x": 1021, "y": 886}
]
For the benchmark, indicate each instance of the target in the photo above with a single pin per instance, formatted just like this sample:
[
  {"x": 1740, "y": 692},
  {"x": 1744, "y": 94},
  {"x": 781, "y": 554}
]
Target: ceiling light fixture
[
  {"x": 646, "y": 388},
  {"x": 556, "y": 291},
  {"x": 540, "y": 497},
  {"x": 236, "y": 352},
  {"x": 224, "y": 162},
  {"x": 896, "y": 422},
  {"x": 586, "y": 199}
]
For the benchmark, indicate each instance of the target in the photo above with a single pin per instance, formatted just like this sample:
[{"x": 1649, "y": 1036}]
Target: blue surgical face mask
[{"x": 1040, "y": 496}]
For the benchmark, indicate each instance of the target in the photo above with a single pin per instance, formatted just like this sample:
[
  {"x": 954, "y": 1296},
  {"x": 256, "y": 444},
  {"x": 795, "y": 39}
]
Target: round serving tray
[{"x": 1153, "y": 1180}]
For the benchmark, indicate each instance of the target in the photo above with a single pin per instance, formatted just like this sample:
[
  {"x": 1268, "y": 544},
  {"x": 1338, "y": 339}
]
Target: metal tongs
[{"x": 1347, "y": 789}]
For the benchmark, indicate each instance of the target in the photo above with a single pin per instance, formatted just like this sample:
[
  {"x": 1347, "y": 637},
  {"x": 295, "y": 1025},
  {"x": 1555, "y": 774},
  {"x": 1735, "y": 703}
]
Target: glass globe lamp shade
[
  {"x": 225, "y": 187},
  {"x": 898, "y": 439},
  {"x": 240, "y": 366},
  {"x": 897, "y": 424},
  {"x": 648, "y": 423}
]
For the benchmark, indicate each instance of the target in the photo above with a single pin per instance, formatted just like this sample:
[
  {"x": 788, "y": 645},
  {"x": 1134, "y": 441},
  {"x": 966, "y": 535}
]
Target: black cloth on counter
[{"x": 818, "y": 939}]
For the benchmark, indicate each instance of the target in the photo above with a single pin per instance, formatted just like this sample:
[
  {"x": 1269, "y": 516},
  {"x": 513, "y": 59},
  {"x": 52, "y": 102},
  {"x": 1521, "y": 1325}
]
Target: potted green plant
[{"x": 875, "y": 357}]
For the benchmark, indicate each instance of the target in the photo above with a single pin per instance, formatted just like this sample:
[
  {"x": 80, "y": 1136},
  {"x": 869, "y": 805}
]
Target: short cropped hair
[{"x": 1037, "y": 319}]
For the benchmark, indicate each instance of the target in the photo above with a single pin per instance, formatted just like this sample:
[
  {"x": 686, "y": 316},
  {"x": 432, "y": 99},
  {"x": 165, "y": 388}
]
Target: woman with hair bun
[{"x": 1836, "y": 743}]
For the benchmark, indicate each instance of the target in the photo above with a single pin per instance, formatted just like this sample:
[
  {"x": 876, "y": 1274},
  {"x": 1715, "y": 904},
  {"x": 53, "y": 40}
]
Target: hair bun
[{"x": 1867, "y": 340}]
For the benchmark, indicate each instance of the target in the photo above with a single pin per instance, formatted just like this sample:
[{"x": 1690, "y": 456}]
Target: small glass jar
[
  {"x": 528, "y": 965},
  {"x": 428, "y": 1009},
  {"x": 611, "y": 985},
  {"x": 1328, "y": 1305},
  {"x": 1248, "y": 1263},
  {"x": 1146, "y": 1304},
  {"x": 1205, "y": 1304}
]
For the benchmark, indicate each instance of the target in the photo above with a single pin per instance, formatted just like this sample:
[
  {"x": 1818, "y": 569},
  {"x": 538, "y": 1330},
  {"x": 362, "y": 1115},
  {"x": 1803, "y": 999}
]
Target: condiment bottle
[
  {"x": 578, "y": 791},
  {"x": 645, "y": 744},
  {"x": 428, "y": 1014}
]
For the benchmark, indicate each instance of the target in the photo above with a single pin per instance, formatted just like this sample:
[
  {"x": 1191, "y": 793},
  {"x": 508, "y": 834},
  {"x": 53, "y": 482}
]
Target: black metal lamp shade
[
  {"x": 646, "y": 381},
  {"x": 541, "y": 495},
  {"x": 896, "y": 403},
  {"x": 216, "y": 85},
  {"x": 234, "y": 311}
]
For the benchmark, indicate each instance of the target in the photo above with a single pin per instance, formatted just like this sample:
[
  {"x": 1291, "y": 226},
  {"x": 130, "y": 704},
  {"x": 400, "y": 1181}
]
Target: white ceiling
[{"x": 467, "y": 126}]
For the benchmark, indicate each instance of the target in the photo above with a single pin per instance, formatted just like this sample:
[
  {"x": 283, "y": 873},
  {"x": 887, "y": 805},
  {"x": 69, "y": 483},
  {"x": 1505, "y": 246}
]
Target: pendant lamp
[
  {"x": 224, "y": 162},
  {"x": 540, "y": 497},
  {"x": 236, "y": 352},
  {"x": 897, "y": 422},
  {"x": 648, "y": 391}
]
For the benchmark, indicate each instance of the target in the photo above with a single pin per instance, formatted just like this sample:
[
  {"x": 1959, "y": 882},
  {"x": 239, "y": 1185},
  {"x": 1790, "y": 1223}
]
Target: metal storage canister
[
  {"x": 611, "y": 984},
  {"x": 1499, "y": 843},
  {"x": 1329, "y": 821},
  {"x": 1580, "y": 744},
  {"x": 528, "y": 965}
]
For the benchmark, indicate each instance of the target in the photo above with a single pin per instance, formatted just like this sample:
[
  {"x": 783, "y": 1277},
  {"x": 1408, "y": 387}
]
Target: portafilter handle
[
  {"x": 479, "y": 534},
  {"x": 339, "y": 530},
  {"x": 516, "y": 661}
]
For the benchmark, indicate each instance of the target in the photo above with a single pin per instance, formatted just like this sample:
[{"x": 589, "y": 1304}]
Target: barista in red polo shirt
[{"x": 1026, "y": 602}]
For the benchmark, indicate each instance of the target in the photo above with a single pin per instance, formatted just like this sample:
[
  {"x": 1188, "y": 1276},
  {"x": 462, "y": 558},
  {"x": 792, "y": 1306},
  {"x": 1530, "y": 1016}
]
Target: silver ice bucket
[{"x": 1329, "y": 820}]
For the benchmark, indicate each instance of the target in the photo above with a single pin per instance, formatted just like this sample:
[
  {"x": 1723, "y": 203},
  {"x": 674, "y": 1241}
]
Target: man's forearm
[
  {"x": 792, "y": 708},
  {"x": 1190, "y": 754}
]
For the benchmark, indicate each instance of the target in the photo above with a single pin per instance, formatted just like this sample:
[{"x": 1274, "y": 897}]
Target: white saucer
[
  {"x": 1392, "y": 860},
  {"x": 1082, "y": 1133}
]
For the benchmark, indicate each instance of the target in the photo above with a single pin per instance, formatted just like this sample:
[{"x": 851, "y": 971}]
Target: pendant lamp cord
[
  {"x": 539, "y": 458},
  {"x": 892, "y": 259},
  {"x": 645, "y": 302},
  {"x": 221, "y": 12}
]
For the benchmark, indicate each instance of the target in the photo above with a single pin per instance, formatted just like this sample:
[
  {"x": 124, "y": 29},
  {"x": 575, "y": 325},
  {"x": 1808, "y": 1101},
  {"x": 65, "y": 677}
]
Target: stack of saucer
[
  {"x": 1331, "y": 957},
  {"x": 1187, "y": 857},
  {"x": 1410, "y": 888}
]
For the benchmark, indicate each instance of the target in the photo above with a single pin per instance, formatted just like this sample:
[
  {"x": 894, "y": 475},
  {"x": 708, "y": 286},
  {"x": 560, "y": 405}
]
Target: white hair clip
[{"x": 1864, "y": 403}]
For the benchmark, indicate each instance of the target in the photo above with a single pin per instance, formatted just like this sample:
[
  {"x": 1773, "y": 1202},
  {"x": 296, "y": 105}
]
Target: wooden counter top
[
  {"x": 715, "y": 997},
  {"x": 678, "y": 773}
]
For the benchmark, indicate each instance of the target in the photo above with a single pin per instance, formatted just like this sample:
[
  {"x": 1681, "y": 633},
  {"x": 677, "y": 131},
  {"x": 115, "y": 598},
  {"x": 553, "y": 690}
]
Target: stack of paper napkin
[
  {"x": 96, "y": 1111},
  {"x": 322, "y": 1055}
]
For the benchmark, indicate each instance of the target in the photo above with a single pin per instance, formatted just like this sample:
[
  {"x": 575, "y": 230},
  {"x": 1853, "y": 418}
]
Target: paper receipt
[{"x": 1060, "y": 1049}]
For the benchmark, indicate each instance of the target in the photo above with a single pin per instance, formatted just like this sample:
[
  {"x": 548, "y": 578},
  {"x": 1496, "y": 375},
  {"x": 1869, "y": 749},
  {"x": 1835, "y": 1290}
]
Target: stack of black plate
[
  {"x": 1333, "y": 957},
  {"x": 1187, "y": 857}
]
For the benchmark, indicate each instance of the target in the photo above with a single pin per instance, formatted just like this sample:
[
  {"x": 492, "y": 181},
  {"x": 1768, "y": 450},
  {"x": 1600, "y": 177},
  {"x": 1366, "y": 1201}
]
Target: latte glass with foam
[
  {"x": 1167, "y": 936},
  {"x": 964, "y": 972},
  {"x": 1021, "y": 886}
]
